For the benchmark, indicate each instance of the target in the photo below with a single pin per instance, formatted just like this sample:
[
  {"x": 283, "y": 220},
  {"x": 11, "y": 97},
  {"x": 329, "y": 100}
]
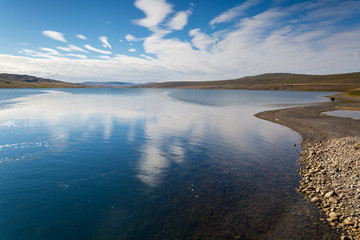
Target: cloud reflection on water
[{"x": 167, "y": 124}]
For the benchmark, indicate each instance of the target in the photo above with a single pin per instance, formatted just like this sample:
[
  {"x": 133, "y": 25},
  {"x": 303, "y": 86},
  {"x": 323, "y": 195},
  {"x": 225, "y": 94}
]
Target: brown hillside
[
  {"x": 25, "y": 81},
  {"x": 275, "y": 81}
]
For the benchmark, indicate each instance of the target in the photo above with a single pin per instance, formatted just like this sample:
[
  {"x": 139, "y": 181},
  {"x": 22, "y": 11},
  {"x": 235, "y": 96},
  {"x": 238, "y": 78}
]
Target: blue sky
[{"x": 169, "y": 40}]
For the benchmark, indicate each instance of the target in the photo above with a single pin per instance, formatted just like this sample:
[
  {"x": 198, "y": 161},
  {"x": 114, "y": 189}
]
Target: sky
[{"x": 143, "y": 41}]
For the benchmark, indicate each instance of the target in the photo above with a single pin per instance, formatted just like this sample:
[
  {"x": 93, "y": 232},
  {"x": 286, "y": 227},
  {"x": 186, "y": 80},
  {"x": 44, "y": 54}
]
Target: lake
[{"x": 151, "y": 164}]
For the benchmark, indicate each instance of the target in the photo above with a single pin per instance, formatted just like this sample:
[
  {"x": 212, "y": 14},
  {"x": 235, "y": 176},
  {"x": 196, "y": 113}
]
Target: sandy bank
[{"x": 330, "y": 161}]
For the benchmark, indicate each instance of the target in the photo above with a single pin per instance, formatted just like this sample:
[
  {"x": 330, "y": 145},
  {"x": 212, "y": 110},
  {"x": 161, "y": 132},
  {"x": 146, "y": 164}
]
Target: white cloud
[
  {"x": 121, "y": 40},
  {"x": 132, "y": 50},
  {"x": 232, "y": 13},
  {"x": 282, "y": 39},
  {"x": 40, "y": 54},
  {"x": 87, "y": 46},
  {"x": 55, "y": 35},
  {"x": 80, "y": 36},
  {"x": 180, "y": 20},
  {"x": 131, "y": 38},
  {"x": 155, "y": 10},
  {"x": 201, "y": 40},
  {"x": 50, "y": 51},
  {"x": 105, "y": 42},
  {"x": 76, "y": 55},
  {"x": 104, "y": 57},
  {"x": 72, "y": 48}
]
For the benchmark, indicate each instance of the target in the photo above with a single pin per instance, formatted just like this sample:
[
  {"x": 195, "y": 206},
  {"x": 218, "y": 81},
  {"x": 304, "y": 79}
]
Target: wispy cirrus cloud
[
  {"x": 54, "y": 35},
  {"x": 87, "y": 46},
  {"x": 45, "y": 53},
  {"x": 72, "y": 48},
  {"x": 80, "y": 36},
  {"x": 50, "y": 51},
  {"x": 155, "y": 10},
  {"x": 76, "y": 55},
  {"x": 105, "y": 42},
  {"x": 234, "y": 12}
]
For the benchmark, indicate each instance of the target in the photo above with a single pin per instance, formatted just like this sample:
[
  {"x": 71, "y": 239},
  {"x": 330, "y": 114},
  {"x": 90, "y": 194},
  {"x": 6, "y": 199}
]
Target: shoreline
[{"x": 330, "y": 159}]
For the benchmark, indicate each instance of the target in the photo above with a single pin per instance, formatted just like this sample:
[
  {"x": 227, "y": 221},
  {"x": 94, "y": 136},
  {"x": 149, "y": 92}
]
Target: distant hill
[
  {"x": 274, "y": 81},
  {"x": 108, "y": 84},
  {"x": 25, "y": 81}
]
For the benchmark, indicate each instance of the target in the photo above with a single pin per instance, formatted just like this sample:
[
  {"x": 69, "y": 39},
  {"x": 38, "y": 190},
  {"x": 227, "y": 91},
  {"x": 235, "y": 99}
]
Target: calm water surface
[
  {"x": 344, "y": 113},
  {"x": 150, "y": 164}
]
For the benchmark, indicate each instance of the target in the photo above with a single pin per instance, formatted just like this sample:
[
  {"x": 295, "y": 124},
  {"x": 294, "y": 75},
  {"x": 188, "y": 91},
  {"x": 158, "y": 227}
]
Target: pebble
[
  {"x": 333, "y": 200},
  {"x": 329, "y": 194},
  {"x": 315, "y": 200},
  {"x": 347, "y": 222},
  {"x": 333, "y": 216},
  {"x": 330, "y": 173}
]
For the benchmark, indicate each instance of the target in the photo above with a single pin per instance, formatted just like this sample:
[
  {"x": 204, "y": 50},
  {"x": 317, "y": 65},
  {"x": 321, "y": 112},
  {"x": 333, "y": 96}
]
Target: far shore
[
  {"x": 330, "y": 159},
  {"x": 315, "y": 126}
]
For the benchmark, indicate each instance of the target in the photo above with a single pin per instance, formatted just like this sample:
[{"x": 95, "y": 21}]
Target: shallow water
[
  {"x": 344, "y": 113},
  {"x": 150, "y": 164}
]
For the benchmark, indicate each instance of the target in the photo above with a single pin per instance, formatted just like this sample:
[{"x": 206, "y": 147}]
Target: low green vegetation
[{"x": 354, "y": 93}]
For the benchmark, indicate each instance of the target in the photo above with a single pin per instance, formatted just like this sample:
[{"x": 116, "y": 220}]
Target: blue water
[
  {"x": 150, "y": 164},
  {"x": 344, "y": 113}
]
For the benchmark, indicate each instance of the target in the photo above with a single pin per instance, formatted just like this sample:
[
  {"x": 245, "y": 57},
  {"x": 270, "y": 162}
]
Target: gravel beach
[{"x": 330, "y": 159}]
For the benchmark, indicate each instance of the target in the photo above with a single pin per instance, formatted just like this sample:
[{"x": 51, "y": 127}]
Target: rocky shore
[
  {"x": 330, "y": 159},
  {"x": 330, "y": 173}
]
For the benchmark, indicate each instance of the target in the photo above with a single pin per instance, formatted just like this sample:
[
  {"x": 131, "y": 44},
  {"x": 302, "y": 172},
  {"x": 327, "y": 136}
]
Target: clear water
[
  {"x": 344, "y": 113},
  {"x": 150, "y": 164}
]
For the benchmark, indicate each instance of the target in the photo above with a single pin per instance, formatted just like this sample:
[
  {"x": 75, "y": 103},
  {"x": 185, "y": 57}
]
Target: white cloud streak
[
  {"x": 50, "y": 51},
  {"x": 72, "y": 48},
  {"x": 76, "y": 55},
  {"x": 87, "y": 46},
  {"x": 55, "y": 35},
  {"x": 232, "y": 13},
  {"x": 80, "y": 36},
  {"x": 105, "y": 42}
]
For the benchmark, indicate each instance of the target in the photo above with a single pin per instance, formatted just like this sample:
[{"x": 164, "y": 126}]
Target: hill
[
  {"x": 274, "y": 81},
  {"x": 25, "y": 81},
  {"x": 107, "y": 84}
]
